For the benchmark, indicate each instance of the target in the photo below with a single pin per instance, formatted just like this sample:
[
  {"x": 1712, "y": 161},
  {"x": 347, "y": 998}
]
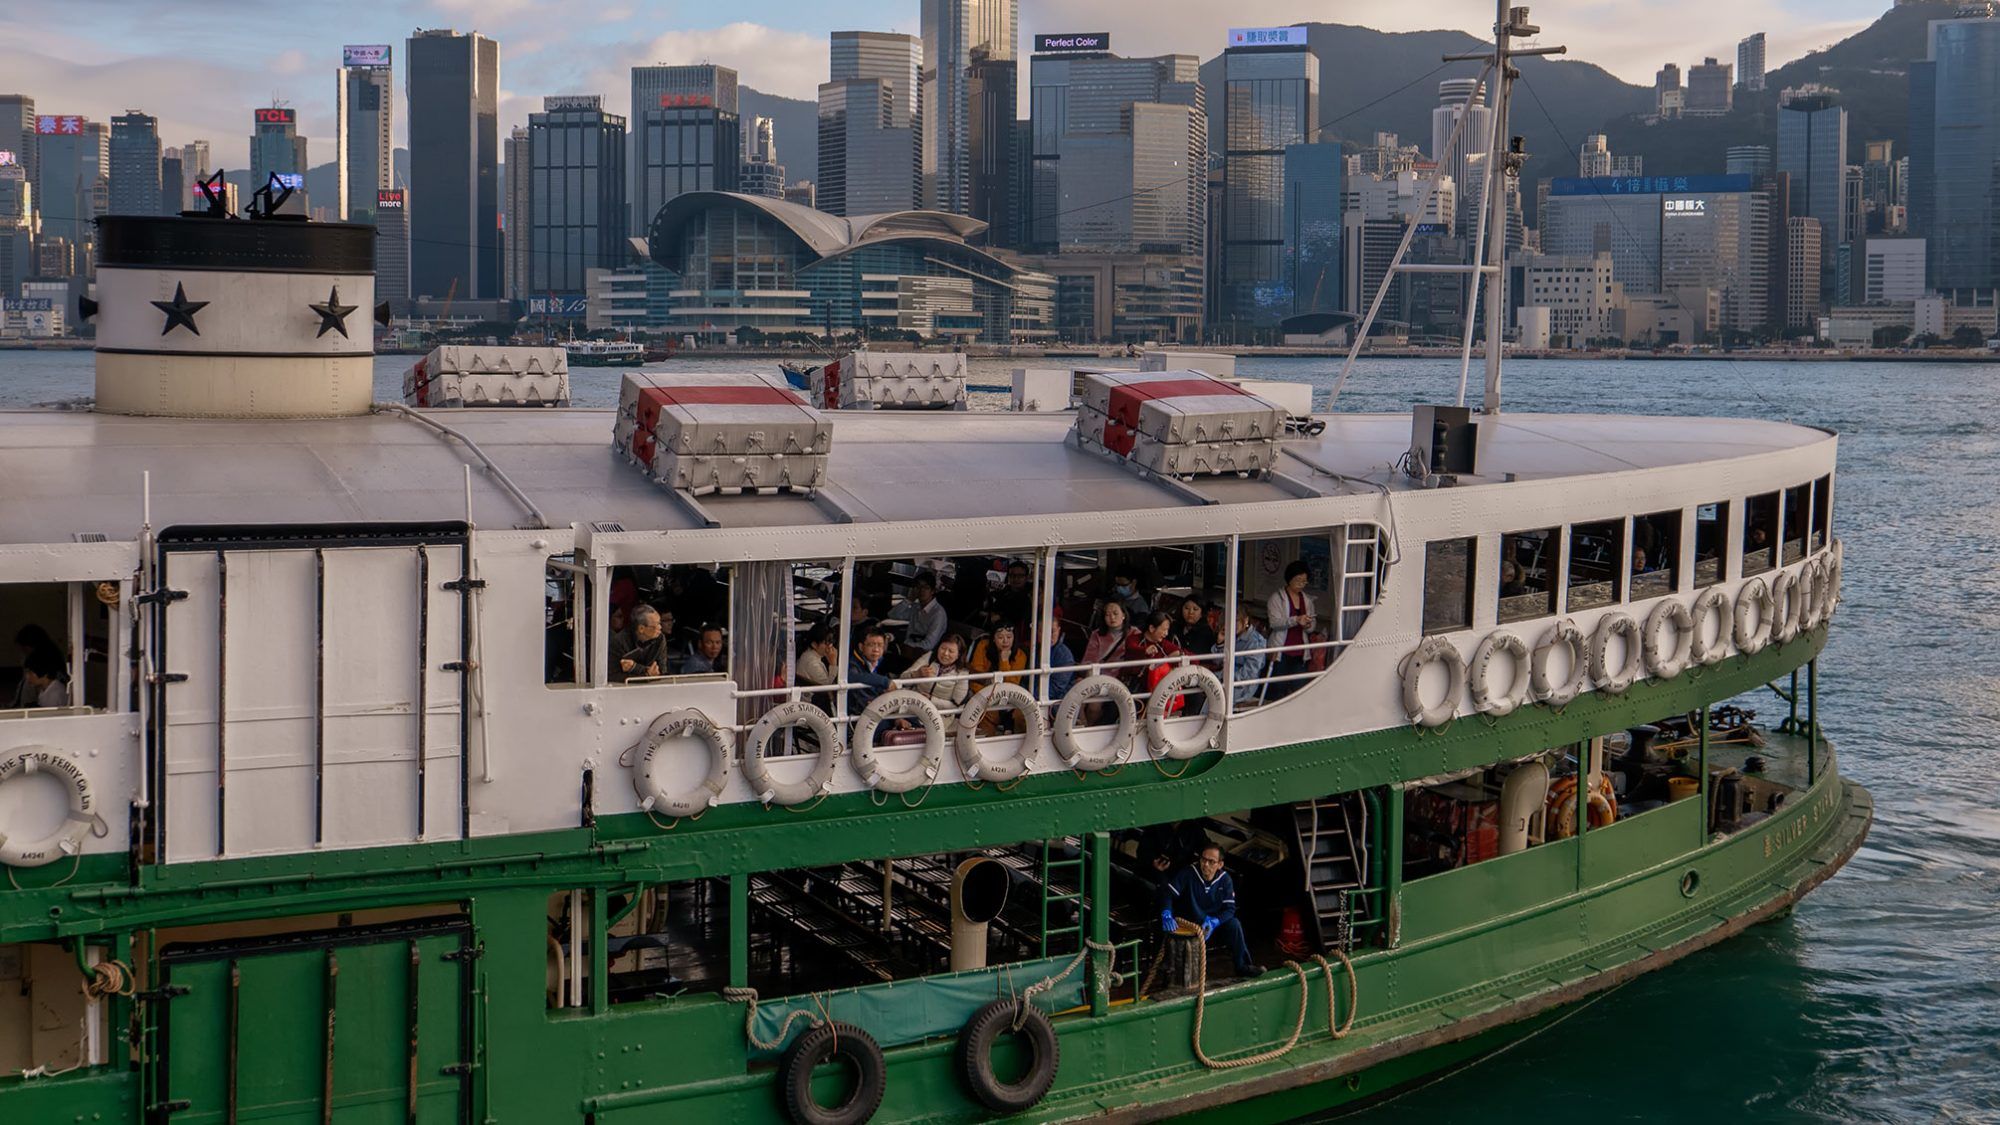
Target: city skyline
[{"x": 781, "y": 49}]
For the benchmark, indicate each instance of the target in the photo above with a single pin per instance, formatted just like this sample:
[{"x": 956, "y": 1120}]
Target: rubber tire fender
[
  {"x": 822, "y": 1044},
  {"x": 975, "y": 1056}
]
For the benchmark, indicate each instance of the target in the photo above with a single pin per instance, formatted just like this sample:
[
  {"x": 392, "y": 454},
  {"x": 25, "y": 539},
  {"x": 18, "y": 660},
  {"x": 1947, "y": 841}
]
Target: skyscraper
[
  {"x": 453, "y": 89},
  {"x": 576, "y": 193},
  {"x": 1313, "y": 197},
  {"x": 516, "y": 203},
  {"x": 992, "y": 84},
  {"x": 1964, "y": 229},
  {"x": 17, "y": 228},
  {"x": 956, "y": 33},
  {"x": 1709, "y": 91},
  {"x": 1803, "y": 268},
  {"x": 135, "y": 164},
  {"x": 17, "y": 133},
  {"x": 1812, "y": 149},
  {"x": 1747, "y": 160},
  {"x": 871, "y": 125},
  {"x": 686, "y": 135},
  {"x": 173, "y": 182},
  {"x": 1270, "y": 101},
  {"x": 392, "y": 246},
  {"x": 1923, "y": 138},
  {"x": 762, "y": 174},
  {"x": 1750, "y": 62},
  {"x": 276, "y": 148},
  {"x": 364, "y": 112},
  {"x": 1668, "y": 97},
  {"x": 74, "y": 166},
  {"x": 1463, "y": 161}
]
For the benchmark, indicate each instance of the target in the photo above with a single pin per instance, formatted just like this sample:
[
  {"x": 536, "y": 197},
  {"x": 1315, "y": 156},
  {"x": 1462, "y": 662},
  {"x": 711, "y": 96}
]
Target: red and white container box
[
  {"x": 890, "y": 381},
  {"x": 722, "y": 432},
  {"x": 1177, "y": 407},
  {"x": 485, "y": 375}
]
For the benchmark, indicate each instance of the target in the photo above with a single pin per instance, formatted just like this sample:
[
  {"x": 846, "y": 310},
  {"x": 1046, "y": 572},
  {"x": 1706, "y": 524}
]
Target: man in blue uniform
[{"x": 1204, "y": 894}]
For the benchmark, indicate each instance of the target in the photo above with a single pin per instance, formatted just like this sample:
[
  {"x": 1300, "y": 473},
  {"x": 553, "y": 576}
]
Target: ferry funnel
[{"x": 216, "y": 317}]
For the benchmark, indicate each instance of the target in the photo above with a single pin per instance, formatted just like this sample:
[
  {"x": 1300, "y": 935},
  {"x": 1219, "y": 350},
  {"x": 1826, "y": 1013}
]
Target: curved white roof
[{"x": 827, "y": 235}]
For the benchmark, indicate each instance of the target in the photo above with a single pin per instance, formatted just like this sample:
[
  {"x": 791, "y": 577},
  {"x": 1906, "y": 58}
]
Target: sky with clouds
[{"x": 200, "y": 68}]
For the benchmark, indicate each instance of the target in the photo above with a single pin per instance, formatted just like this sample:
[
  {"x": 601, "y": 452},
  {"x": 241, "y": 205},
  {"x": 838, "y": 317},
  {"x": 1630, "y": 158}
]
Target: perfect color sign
[
  {"x": 1075, "y": 41},
  {"x": 373, "y": 55},
  {"x": 59, "y": 126},
  {"x": 277, "y": 116},
  {"x": 1267, "y": 36}
]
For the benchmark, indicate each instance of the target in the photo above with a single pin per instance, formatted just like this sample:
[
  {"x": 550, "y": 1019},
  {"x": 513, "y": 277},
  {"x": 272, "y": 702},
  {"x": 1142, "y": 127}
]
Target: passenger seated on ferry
[
  {"x": 1290, "y": 613},
  {"x": 947, "y": 659},
  {"x": 1125, "y": 590},
  {"x": 1249, "y": 664},
  {"x": 647, "y": 654},
  {"x": 1204, "y": 894},
  {"x": 31, "y": 639},
  {"x": 1191, "y": 629},
  {"x": 42, "y": 673},
  {"x": 1112, "y": 639},
  {"x": 1639, "y": 565},
  {"x": 1015, "y": 599},
  {"x": 864, "y": 668},
  {"x": 1513, "y": 581},
  {"x": 998, "y": 652},
  {"x": 1156, "y": 644},
  {"x": 927, "y": 617},
  {"x": 708, "y": 655},
  {"x": 1060, "y": 656}
]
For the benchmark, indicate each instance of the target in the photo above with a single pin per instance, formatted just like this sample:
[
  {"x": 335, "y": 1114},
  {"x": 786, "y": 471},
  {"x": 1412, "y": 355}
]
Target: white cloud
[
  {"x": 790, "y": 63},
  {"x": 293, "y": 61}
]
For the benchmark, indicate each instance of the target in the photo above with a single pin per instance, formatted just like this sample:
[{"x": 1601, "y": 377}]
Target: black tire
[
  {"x": 823, "y": 1044},
  {"x": 975, "y": 1056}
]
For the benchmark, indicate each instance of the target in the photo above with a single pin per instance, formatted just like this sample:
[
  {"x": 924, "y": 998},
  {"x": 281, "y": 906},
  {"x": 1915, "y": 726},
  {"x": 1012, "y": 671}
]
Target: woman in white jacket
[
  {"x": 947, "y": 659},
  {"x": 1292, "y": 617}
]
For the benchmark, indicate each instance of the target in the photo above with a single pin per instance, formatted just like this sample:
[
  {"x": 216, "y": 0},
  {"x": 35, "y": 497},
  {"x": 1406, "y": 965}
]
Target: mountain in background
[
  {"x": 796, "y": 125},
  {"x": 1870, "y": 69}
]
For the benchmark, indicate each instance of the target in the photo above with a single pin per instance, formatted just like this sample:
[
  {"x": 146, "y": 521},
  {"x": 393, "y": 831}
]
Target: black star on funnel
[
  {"x": 332, "y": 314},
  {"x": 180, "y": 311}
]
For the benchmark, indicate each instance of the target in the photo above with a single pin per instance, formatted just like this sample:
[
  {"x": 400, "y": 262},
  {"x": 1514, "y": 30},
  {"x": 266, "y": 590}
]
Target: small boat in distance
[{"x": 604, "y": 353}]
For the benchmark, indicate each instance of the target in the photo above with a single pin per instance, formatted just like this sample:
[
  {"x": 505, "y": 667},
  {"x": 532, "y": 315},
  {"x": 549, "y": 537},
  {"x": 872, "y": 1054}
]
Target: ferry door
[
  {"x": 357, "y": 1027},
  {"x": 309, "y": 690}
]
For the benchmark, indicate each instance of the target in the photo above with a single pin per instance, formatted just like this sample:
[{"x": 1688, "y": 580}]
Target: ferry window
[
  {"x": 1528, "y": 562},
  {"x": 1711, "y": 542},
  {"x": 1285, "y": 589},
  {"x": 1596, "y": 560},
  {"x": 1483, "y": 814},
  {"x": 567, "y": 981},
  {"x": 61, "y": 636},
  {"x": 1760, "y": 533},
  {"x": 1822, "y": 515},
  {"x": 565, "y": 643},
  {"x": 1651, "y": 766},
  {"x": 1656, "y": 555},
  {"x": 668, "y": 621},
  {"x": 47, "y": 1023},
  {"x": 1448, "y": 569},
  {"x": 667, "y": 940},
  {"x": 1798, "y": 511}
]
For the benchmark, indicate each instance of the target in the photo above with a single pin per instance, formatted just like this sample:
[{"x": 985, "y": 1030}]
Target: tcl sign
[{"x": 277, "y": 116}]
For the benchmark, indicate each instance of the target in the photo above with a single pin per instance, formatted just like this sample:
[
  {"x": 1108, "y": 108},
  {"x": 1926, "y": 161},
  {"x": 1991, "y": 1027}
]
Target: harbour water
[{"x": 1878, "y": 999}]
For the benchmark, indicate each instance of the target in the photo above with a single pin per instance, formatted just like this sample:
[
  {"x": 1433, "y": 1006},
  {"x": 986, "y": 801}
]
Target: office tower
[
  {"x": 955, "y": 34},
  {"x": 805, "y": 193},
  {"x": 1747, "y": 160},
  {"x": 1270, "y": 101},
  {"x": 173, "y": 182},
  {"x": 1709, "y": 91},
  {"x": 392, "y": 245},
  {"x": 686, "y": 135},
  {"x": 135, "y": 164},
  {"x": 1462, "y": 97},
  {"x": 364, "y": 113},
  {"x": 17, "y": 228},
  {"x": 1750, "y": 62},
  {"x": 991, "y": 86},
  {"x": 1375, "y": 211},
  {"x": 75, "y": 176},
  {"x": 1803, "y": 235},
  {"x": 17, "y": 133},
  {"x": 516, "y": 201},
  {"x": 1116, "y": 191},
  {"x": 1894, "y": 271},
  {"x": 277, "y": 149},
  {"x": 871, "y": 125},
  {"x": 1923, "y": 139},
  {"x": 576, "y": 193},
  {"x": 1964, "y": 193},
  {"x": 1313, "y": 197},
  {"x": 195, "y": 160},
  {"x": 1812, "y": 149},
  {"x": 1668, "y": 97},
  {"x": 1594, "y": 160},
  {"x": 762, "y": 174},
  {"x": 452, "y": 86}
]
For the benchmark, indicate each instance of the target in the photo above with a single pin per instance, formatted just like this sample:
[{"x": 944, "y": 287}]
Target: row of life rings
[
  {"x": 821, "y": 734},
  {"x": 79, "y": 821},
  {"x": 1672, "y": 638}
]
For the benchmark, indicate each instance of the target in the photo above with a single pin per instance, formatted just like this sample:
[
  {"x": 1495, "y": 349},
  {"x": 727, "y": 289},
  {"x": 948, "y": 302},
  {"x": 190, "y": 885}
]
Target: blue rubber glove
[
  {"x": 1167, "y": 921},
  {"x": 1207, "y": 928}
]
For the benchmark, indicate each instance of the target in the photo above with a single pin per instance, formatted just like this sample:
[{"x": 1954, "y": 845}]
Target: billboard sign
[
  {"x": 1648, "y": 185},
  {"x": 389, "y": 200},
  {"x": 275, "y": 116},
  {"x": 1267, "y": 36},
  {"x": 60, "y": 126},
  {"x": 558, "y": 304},
  {"x": 374, "y": 56},
  {"x": 1074, "y": 41},
  {"x": 684, "y": 101},
  {"x": 7, "y": 158},
  {"x": 26, "y": 304},
  {"x": 555, "y": 102},
  {"x": 1684, "y": 208}
]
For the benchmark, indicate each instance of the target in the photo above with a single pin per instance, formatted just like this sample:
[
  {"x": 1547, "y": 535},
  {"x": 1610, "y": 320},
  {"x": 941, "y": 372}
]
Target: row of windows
[{"x": 1610, "y": 562}]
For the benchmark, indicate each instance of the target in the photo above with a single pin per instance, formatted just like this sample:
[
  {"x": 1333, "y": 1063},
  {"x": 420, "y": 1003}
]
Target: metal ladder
[
  {"x": 1334, "y": 854},
  {"x": 1070, "y": 870}
]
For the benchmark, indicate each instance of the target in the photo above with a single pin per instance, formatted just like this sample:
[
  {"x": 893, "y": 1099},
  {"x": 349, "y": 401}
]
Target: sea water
[{"x": 1878, "y": 999}]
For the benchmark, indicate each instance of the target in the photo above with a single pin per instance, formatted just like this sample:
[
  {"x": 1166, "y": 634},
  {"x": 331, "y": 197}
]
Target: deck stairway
[{"x": 1332, "y": 845}]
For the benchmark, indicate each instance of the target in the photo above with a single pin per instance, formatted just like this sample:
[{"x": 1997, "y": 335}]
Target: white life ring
[
  {"x": 1545, "y": 687},
  {"x": 1833, "y": 568},
  {"x": 999, "y": 695},
  {"x": 862, "y": 751},
  {"x": 1712, "y": 605},
  {"x": 1081, "y": 694},
  {"x": 1813, "y": 590},
  {"x": 652, "y": 752},
  {"x": 1187, "y": 677},
  {"x": 1485, "y": 699},
  {"x": 1753, "y": 598},
  {"x": 1786, "y": 607},
  {"x": 1666, "y": 663},
  {"x": 1435, "y": 650},
  {"x": 1610, "y": 680},
  {"x": 80, "y": 821},
  {"x": 757, "y": 771}
]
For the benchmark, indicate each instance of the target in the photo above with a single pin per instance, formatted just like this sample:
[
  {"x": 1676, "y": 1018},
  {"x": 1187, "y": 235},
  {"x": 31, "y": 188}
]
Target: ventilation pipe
[
  {"x": 978, "y": 894},
  {"x": 1521, "y": 797}
]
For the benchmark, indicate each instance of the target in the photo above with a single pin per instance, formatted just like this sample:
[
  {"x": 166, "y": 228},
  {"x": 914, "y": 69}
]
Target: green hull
[{"x": 1482, "y": 954}]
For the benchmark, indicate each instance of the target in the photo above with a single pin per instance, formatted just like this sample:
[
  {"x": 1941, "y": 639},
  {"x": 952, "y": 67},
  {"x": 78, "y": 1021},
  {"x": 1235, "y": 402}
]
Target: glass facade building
[
  {"x": 363, "y": 116},
  {"x": 1313, "y": 194},
  {"x": 1964, "y": 203},
  {"x": 1270, "y": 101},
  {"x": 453, "y": 90},
  {"x": 956, "y": 34},
  {"x": 576, "y": 194},
  {"x": 687, "y": 135},
  {"x": 135, "y": 164},
  {"x": 1812, "y": 149},
  {"x": 871, "y": 125}
]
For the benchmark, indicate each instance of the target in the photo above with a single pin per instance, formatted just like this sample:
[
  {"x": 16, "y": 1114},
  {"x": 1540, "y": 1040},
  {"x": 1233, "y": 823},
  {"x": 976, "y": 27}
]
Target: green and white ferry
[{"x": 348, "y": 780}]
